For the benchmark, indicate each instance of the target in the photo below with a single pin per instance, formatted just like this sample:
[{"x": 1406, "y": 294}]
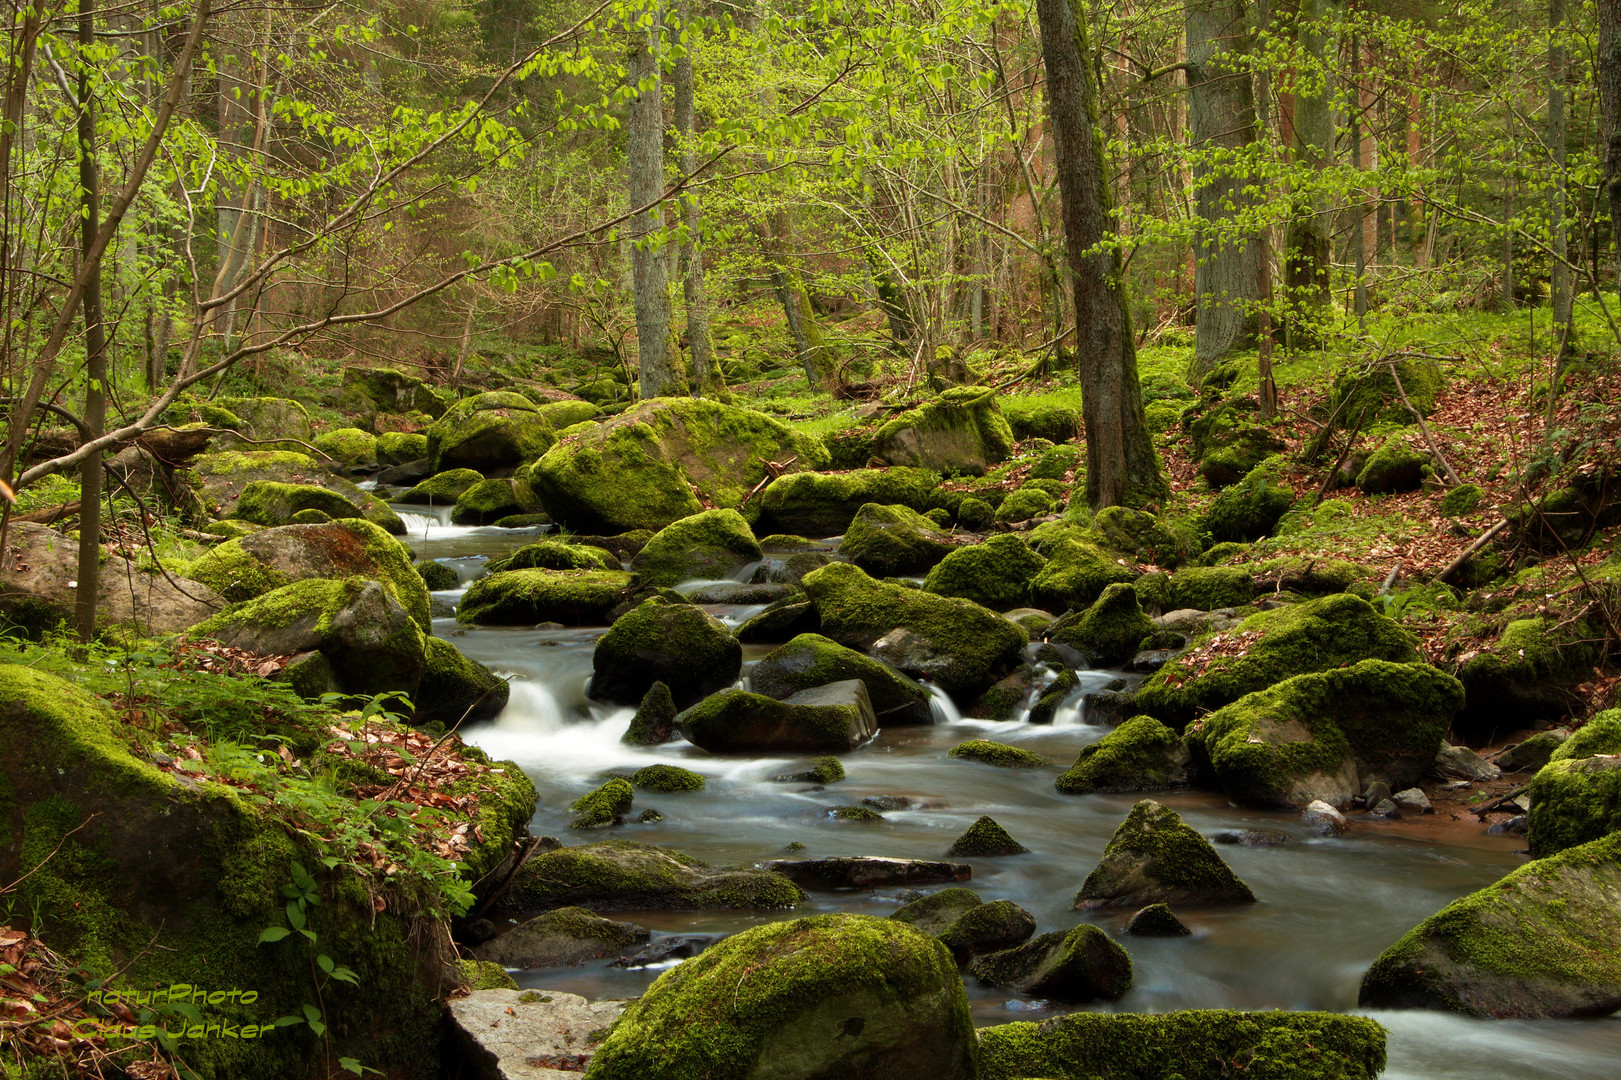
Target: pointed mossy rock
[
  {"x": 1141, "y": 754},
  {"x": 1392, "y": 468},
  {"x": 956, "y": 643},
  {"x": 455, "y": 689},
  {"x": 988, "y": 928},
  {"x": 810, "y": 660},
  {"x": 824, "y": 504},
  {"x": 666, "y": 778},
  {"x": 961, "y": 432},
  {"x": 1006, "y": 697},
  {"x": 1156, "y": 920},
  {"x": 1110, "y": 631},
  {"x": 619, "y": 874},
  {"x": 442, "y": 488},
  {"x": 782, "y": 620},
  {"x": 996, "y": 574},
  {"x": 436, "y": 576},
  {"x": 1045, "y": 708},
  {"x": 934, "y": 913},
  {"x": 606, "y": 805},
  {"x": 1314, "y": 636},
  {"x": 1083, "y": 964},
  {"x": 1328, "y": 734},
  {"x": 367, "y": 391},
  {"x": 654, "y": 721},
  {"x": 1545, "y": 941},
  {"x": 566, "y": 937},
  {"x": 714, "y": 544},
  {"x": 1154, "y": 857},
  {"x": 149, "y": 880},
  {"x": 1574, "y": 801},
  {"x": 1077, "y": 571},
  {"x": 834, "y": 718},
  {"x": 641, "y": 469},
  {"x": 556, "y": 555},
  {"x": 1001, "y": 755},
  {"x": 1251, "y": 508},
  {"x": 487, "y": 502},
  {"x": 348, "y": 446},
  {"x": 527, "y": 597},
  {"x": 267, "y": 559},
  {"x": 1199, "y": 1044},
  {"x": 493, "y": 432},
  {"x": 894, "y": 541},
  {"x": 985, "y": 838},
  {"x": 810, "y": 999},
  {"x": 681, "y": 645}
]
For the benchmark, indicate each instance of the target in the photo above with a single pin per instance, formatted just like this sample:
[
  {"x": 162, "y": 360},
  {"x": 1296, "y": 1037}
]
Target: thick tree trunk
[
  {"x": 95, "y": 334},
  {"x": 706, "y": 373},
  {"x": 1121, "y": 466},
  {"x": 1559, "y": 283},
  {"x": 644, "y": 152},
  {"x": 1221, "y": 118},
  {"x": 1608, "y": 73},
  {"x": 1307, "y": 247}
]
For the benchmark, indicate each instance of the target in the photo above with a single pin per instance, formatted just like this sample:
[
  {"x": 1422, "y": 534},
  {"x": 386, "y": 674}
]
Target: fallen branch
[
  {"x": 1457, "y": 564},
  {"x": 1498, "y": 803},
  {"x": 1424, "y": 429}
]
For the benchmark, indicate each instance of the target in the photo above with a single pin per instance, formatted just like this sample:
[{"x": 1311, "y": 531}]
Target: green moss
[
  {"x": 961, "y": 431},
  {"x": 1203, "y": 1044},
  {"x": 854, "y": 813},
  {"x": 1462, "y": 500},
  {"x": 1154, "y": 856},
  {"x": 715, "y": 1017},
  {"x": 736, "y": 721},
  {"x": 1368, "y": 397},
  {"x": 812, "y": 660},
  {"x": 1600, "y": 735},
  {"x": 666, "y": 778},
  {"x": 351, "y": 446},
  {"x": 654, "y": 721},
  {"x": 822, "y": 504},
  {"x": 489, "y": 431},
  {"x": 526, "y": 597},
  {"x": 1055, "y": 423},
  {"x": 485, "y": 975},
  {"x": 1391, "y": 468},
  {"x": 485, "y": 503},
  {"x": 1531, "y": 668},
  {"x": 678, "y": 644},
  {"x": 437, "y": 576},
  {"x": 1210, "y": 587},
  {"x": 1055, "y": 463},
  {"x": 892, "y": 541},
  {"x": 975, "y": 515},
  {"x": 234, "y": 574},
  {"x": 1026, "y": 503},
  {"x": 1076, "y": 573},
  {"x": 1251, "y": 508},
  {"x": 1141, "y": 754},
  {"x": 1109, "y": 631},
  {"x": 604, "y": 806},
  {"x": 399, "y": 447},
  {"x": 454, "y": 689},
  {"x": 713, "y": 544},
  {"x": 1001, "y": 755},
  {"x": 1165, "y": 540},
  {"x": 985, "y": 837},
  {"x": 1573, "y": 801},
  {"x": 619, "y": 874},
  {"x": 266, "y": 502},
  {"x": 556, "y": 555},
  {"x": 997, "y": 573},
  {"x": 442, "y": 489}
]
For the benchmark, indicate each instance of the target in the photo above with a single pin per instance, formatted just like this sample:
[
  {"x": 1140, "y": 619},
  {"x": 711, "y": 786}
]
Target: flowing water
[{"x": 1328, "y": 906}]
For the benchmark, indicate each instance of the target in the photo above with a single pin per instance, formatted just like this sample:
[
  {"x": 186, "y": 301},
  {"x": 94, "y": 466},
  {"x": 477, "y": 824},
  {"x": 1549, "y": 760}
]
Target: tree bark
[
  {"x": 1221, "y": 120},
  {"x": 1121, "y": 465},
  {"x": 706, "y": 372},
  {"x": 95, "y": 332},
  {"x": 1608, "y": 73},
  {"x": 1307, "y": 260},
  {"x": 644, "y": 152},
  {"x": 1559, "y": 278}
]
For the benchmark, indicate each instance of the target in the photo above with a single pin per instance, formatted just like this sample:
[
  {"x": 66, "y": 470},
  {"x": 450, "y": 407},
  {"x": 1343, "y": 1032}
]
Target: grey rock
[
  {"x": 867, "y": 872},
  {"x": 1462, "y": 763},
  {"x": 1250, "y": 837},
  {"x": 567, "y": 937},
  {"x": 522, "y": 1034},
  {"x": 1412, "y": 801},
  {"x": 1323, "y": 818}
]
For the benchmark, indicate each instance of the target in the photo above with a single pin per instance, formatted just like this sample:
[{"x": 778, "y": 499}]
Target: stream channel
[{"x": 1327, "y": 906}]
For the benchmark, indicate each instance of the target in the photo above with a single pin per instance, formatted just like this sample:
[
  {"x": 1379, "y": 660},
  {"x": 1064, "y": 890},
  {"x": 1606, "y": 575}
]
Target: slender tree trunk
[
  {"x": 706, "y": 372},
  {"x": 1221, "y": 118},
  {"x": 1121, "y": 465},
  {"x": 95, "y": 395},
  {"x": 1307, "y": 262},
  {"x": 1559, "y": 283},
  {"x": 644, "y": 152},
  {"x": 1608, "y": 73},
  {"x": 1359, "y": 219}
]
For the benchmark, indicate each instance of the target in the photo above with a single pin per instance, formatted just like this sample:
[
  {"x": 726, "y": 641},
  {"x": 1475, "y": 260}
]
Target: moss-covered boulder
[
  {"x": 436, "y": 576},
  {"x": 1573, "y": 801},
  {"x": 456, "y": 689},
  {"x": 1251, "y": 508},
  {"x": 1529, "y": 673},
  {"x": 1367, "y": 396},
  {"x": 1199, "y": 1044},
  {"x": 618, "y": 874},
  {"x": 1077, "y": 572},
  {"x": 605, "y": 805},
  {"x": 442, "y": 488},
  {"x": 1539, "y": 943},
  {"x": 1156, "y": 920},
  {"x": 370, "y": 639},
  {"x": 781, "y": 621},
  {"x": 996, "y": 574},
  {"x": 367, "y": 391},
  {"x": 1026, "y": 503},
  {"x": 711, "y": 544},
  {"x": 567, "y": 937},
  {"x": 988, "y": 928},
  {"x": 1600, "y": 735},
  {"x": 487, "y": 502},
  {"x": 653, "y": 463},
  {"x": 934, "y": 913},
  {"x": 1140, "y": 755},
  {"x": 1110, "y": 631},
  {"x": 1327, "y": 735},
  {"x": 1155, "y": 857},
  {"x": 1055, "y": 423},
  {"x": 267, "y": 419},
  {"x": 1083, "y": 964},
  {"x": 956, "y": 643},
  {"x": 1462, "y": 500},
  {"x": 1208, "y": 588},
  {"x": 1317, "y": 635},
  {"x": 824, "y": 504},
  {"x": 985, "y": 838},
  {"x": 680, "y": 645},
  {"x": 960, "y": 432},
  {"x": 825, "y": 719},
  {"x": 892, "y": 541},
  {"x": 400, "y": 447},
  {"x": 266, "y": 502},
  {"x": 666, "y": 778},
  {"x": 847, "y": 995},
  {"x": 811, "y": 660},
  {"x": 270, "y": 558},
  {"x": 1001, "y": 755},
  {"x": 1393, "y": 467},
  {"x": 348, "y": 446},
  {"x": 556, "y": 555},
  {"x": 527, "y": 597},
  {"x": 494, "y": 432}
]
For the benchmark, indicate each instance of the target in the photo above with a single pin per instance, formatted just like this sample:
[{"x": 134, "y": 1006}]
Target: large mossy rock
[
  {"x": 266, "y": 418},
  {"x": 1197, "y": 1044},
  {"x": 1529, "y": 673},
  {"x": 1545, "y": 941},
  {"x": 566, "y": 937},
  {"x": 1110, "y": 631},
  {"x": 351, "y": 447},
  {"x": 556, "y": 555},
  {"x": 811, "y": 660},
  {"x": 1367, "y": 397},
  {"x": 492, "y": 433},
  {"x": 370, "y": 640},
  {"x": 1077, "y": 571},
  {"x": 488, "y": 501},
  {"x": 150, "y": 881},
  {"x": 1600, "y": 735},
  {"x": 714, "y": 544},
  {"x": 653, "y": 463},
  {"x": 679, "y": 645},
  {"x": 988, "y": 928},
  {"x": 956, "y": 643},
  {"x": 824, "y": 504},
  {"x": 1083, "y": 964},
  {"x": 1393, "y": 467},
  {"x": 221, "y": 475},
  {"x": 1317, "y": 635},
  {"x": 996, "y": 574},
  {"x": 442, "y": 488},
  {"x": 272, "y": 503},
  {"x": 1574, "y": 801},
  {"x": 1154, "y": 857},
  {"x": 367, "y": 391},
  {"x": 960, "y": 432},
  {"x": 829, "y": 719},
  {"x": 255, "y": 564},
  {"x": 1251, "y": 508},
  {"x": 1140, "y": 755},
  {"x": 1328, "y": 735},
  {"x": 812, "y": 999},
  {"x": 934, "y": 913},
  {"x": 619, "y": 874},
  {"x": 39, "y": 571},
  {"x": 455, "y": 689},
  {"x": 893, "y": 541},
  {"x": 528, "y": 597},
  {"x": 1207, "y": 588}
]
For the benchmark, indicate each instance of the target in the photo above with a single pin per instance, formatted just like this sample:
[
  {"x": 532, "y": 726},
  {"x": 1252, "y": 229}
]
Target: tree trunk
[
  {"x": 1359, "y": 219},
  {"x": 706, "y": 372},
  {"x": 1221, "y": 118},
  {"x": 1121, "y": 466},
  {"x": 1608, "y": 76},
  {"x": 95, "y": 332},
  {"x": 1307, "y": 260},
  {"x": 644, "y": 152},
  {"x": 1559, "y": 278}
]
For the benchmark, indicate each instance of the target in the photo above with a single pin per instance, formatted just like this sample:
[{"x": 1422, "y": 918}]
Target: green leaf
[
  {"x": 311, "y": 1013},
  {"x": 273, "y": 933},
  {"x": 325, "y": 963},
  {"x": 295, "y": 914}
]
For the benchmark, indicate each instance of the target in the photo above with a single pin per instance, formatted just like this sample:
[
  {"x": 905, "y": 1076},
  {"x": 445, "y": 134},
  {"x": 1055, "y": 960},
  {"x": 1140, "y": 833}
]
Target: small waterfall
[{"x": 941, "y": 707}]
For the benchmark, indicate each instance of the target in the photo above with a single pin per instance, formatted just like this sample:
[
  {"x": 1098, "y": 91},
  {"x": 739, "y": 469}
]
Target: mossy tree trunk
[
  {"x": 1609, "y": 81},
  {"x": 706, "y": 372},
  {"x": 1121, "y": 466},
  {"x": 1307, "y": 245},
  {"x": 644, "y": 153}
]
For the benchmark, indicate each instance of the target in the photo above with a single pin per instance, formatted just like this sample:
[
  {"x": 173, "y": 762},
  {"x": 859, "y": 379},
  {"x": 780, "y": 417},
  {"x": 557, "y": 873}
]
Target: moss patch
[{"x": 1001, "y": 755}]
